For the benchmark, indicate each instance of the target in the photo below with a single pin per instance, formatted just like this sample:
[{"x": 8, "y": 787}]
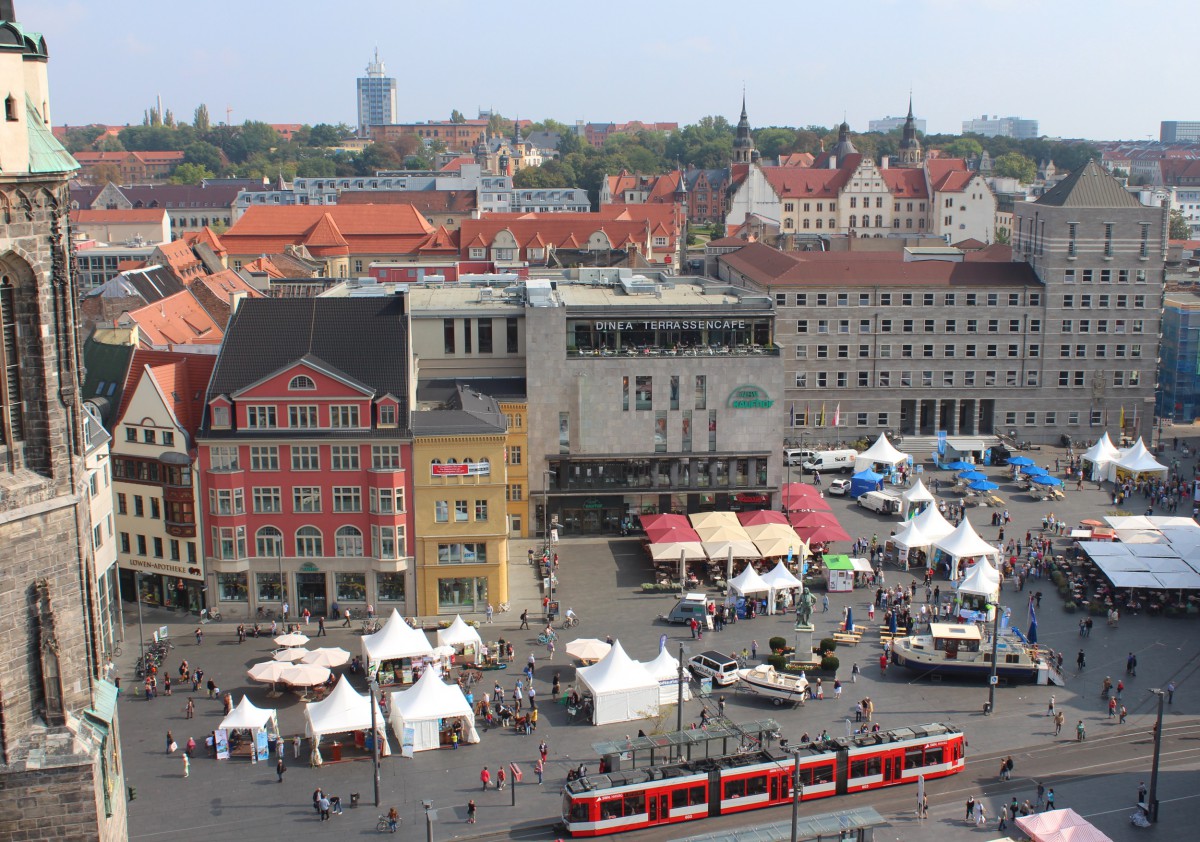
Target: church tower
[
  {"x": 910, "y": 147},
  {"x": 743, "y": 143},
  {"x": 59, "y": 740}
]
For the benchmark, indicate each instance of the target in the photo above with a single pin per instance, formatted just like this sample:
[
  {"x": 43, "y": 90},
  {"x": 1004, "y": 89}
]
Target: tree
[
  {"x": 83, "y": 138},
  {"x": 963, "y": 147},
  {"x": 1179, "y": 228},
  {"x": 456, "y": 116},
  {"x": 259, "y": 137},
  {"x": 499, "y": 124},
  {"x": 808, "y": 140},
  {"x": 190, "y": 174},
  {"x": 1015, "y": 165},
  {"x": 323, "y": 134},
  {"x": 200, "y": 118},
  {"x": 106, "y": 173},
  {"x": 110, "y": 143},
  {"x": 204, "y": 155},
  {"x": 773, "y": 142},
  {"x": 547, "y": 175},
  {"x": 569, "y": 143},
  {"x": 316, "y": 168},
  {"x": 1003, "y": 236},
  {"x": 150, "y": 138}
]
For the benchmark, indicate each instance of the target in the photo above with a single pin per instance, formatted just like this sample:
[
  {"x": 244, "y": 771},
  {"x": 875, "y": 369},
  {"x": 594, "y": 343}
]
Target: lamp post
[
  {"x": 993, "y": 679},
  {"x": 1152, "y": 798},
  {"x": 679, "y": 701},
  {"x": 797, "y": 794},
  {"x": 546, "y": 474},
  {"x": 137, "y": 584},
  {"x": 373, "y": 686}
]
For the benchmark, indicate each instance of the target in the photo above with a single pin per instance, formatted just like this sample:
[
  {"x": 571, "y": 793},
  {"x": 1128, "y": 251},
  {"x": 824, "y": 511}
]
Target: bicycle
[
  {"x": 384, "y": 825},
  {"x": 502, "y": 608},
  {"x": 115, "y": 652},
  {"x": 570, "y": 623},
  {"x": 544, "y": 638},
  {"x": 214, "y": 616}
]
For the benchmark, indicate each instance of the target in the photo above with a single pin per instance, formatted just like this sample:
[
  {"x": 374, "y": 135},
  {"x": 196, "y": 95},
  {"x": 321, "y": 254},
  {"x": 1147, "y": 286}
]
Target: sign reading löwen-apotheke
[{"x": 749, "y": 397}]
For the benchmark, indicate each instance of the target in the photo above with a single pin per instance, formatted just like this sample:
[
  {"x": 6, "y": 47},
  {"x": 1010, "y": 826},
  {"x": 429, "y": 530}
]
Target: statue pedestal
[{"x": 804, "y": 647}]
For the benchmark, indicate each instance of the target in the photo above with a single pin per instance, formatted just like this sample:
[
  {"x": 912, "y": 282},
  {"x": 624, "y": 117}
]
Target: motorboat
[
  {"x": 779, "y": 687},
  {"x": 960, "y": 650}
]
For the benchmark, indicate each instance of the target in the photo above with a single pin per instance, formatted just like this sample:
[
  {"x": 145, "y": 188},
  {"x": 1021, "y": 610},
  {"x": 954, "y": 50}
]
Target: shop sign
[
  {"x": 309, "y": 567},
  {"x": 473, "y": 469},
  {"x": 673, "y": 324},
  {"x": 593, "y": 503},
  {"x": 749, "y": 397}
]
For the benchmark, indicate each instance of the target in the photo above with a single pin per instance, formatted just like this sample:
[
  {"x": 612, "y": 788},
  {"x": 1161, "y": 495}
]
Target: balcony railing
[{"x": 705, "y": 351}]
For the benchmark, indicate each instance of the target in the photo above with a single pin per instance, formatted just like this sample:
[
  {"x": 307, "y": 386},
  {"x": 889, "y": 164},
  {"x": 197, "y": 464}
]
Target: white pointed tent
[
  {"x": 396, "y": 640},
  {"x": 1135, "y": 461},
  {"x": 909, "y": 538},
  {"x": 779, "y": 578},
  {"x": 917, "y": 497},
  {"x": 748, "y": 582},
  {"x": 248, "y": 717},
  {"x": 343, "y": 711},
  {"x": 428, "y": 707},
  {"x": 1099, "y": 455},
  {"x": 962, "y": 543},
  {"x": 983, "y": 580},
  {"x": 459, "y": 633},
  {"x": 665, "y": 668},
  {"x": 932, "y": 525},
  {"x": 880, "y": 453},
  {"x": 622, "y": 689}
]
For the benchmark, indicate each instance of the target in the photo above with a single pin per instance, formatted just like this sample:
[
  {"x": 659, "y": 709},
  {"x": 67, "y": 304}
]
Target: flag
[
  {"x": 837, "y": 415},
  {"x": 1122, "y": 416},
  {"x": 1032, "y": 613},
  {"x": 793, "y": 424},
  {"x": 821, "y": 423}
]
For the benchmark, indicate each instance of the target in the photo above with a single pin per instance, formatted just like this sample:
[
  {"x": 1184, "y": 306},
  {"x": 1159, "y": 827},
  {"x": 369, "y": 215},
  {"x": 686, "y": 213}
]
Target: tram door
[
  {"x": 891, "y": 773},
  {"x": 659, "y": 808}
]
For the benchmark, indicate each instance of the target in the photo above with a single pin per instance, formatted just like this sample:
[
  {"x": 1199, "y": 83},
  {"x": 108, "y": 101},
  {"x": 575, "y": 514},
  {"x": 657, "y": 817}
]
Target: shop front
[
  {"x": 161, "y": 590},
  {"x": 243, "y": 592}
]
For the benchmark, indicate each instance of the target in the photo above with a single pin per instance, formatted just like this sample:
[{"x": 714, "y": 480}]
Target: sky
[{"x": 1099, "y": 69}]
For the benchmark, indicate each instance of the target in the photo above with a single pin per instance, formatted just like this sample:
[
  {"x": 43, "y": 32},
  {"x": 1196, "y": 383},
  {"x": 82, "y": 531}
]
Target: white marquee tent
[
  {"x": 248, "y": 717},
  {"x": 779, "y": 578},
  {"x": 343, "y": 711},
  {"x": 932, "y": 525},
  {"x": 982, "y": 580},
  {"x": 918, "y": 497},
  {"x": 1136, "y": 461},
  {"x": 396, "y": 640},
  {"x": 909, "y": 538},
  {"x": 1099, "y": 455},
  {"x": 665, "y": 668},
  {"x": 459, "y": 633},
  {"x": 622, "y": 689},
  {"x": 880, "y": 453},
  {"x": 425, "y": 706},
  {"x": 748, "y": 582},
  {"x": 962, "y": 543}
]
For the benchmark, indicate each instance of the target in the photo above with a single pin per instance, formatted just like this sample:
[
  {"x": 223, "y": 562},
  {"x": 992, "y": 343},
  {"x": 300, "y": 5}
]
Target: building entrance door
[{"x": 310, "y": 592}]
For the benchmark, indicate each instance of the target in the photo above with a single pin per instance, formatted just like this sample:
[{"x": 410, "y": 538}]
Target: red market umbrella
[
  {"x": 809, "y": 504},
  {"x": 822, "y": 534},
  {"x": 671, "y": 534},
  {"x": 760, "y": 517},
  {"x": 813, "y": 519},
  {"x": 649, "y": 521}
]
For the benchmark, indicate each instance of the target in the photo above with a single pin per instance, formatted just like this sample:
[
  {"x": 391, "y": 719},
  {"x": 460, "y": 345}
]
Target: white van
[
  {"x": 693, "y": 606},
  {"x": 796, "y": 457},
  {"x": 880, "y": 501},
  {"x": 831, "y": 460}
]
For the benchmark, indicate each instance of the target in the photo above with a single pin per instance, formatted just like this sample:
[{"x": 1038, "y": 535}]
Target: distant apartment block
[
  {"x": 1001, "y": 127},
  {"x": 891, "y": 124},
  {"x": 1179, "y": 131},
  {"x": 597, "y": 133},
  {"x": 376, "y": 97}
]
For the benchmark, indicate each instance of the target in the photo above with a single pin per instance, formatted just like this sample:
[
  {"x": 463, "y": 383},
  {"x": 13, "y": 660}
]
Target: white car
[{"x": 840, "y": 487}]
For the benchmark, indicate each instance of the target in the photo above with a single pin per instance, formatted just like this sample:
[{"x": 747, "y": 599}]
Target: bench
[{"x": 846, "y": 638}]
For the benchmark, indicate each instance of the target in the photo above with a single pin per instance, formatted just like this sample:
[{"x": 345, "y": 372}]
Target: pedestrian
[
  {"x": 316, "y": 799},
  {"x": 1008, "y": 767},
  {"x": 323, "y": 807},
  {"x": 1112, "y": 707},
  {"x": 199, "y": 635},
  {"x": 321, "y": 627},
  {"x": 754, "y": 650},
  {"x": 212, "y": 688},
  {"x": 980, "y": 814},
  {"x": 1059, "y": 719},
  {"x": 167, "y": 683},
  {"x": 1050, "y": 799},
  {"x": 500, "y": 776},
  {"x": 549, "y": 650},
  {"x": 525, "y": 619},
  {"x": 470, "y": 813},
  {"x": 1124, "y": 712},
  {"x": 489, "y": 612},
  {"x": 555, "y": 687},
  {"x": 837, "y": 690},
  {"x": 1142, "y": 793},
  {"x": 924, "y": 806},
  {"x": 858, "y": 712},
  {"x": 538, "y": 769},
  {"x": 190, "y": 710},
  {"x": 285, "y": 610},
  {"x": 970, "y": 807},
  {"x": 1080, "y": 661},
  {"x": 280, "y": 768},
  {"x": 825, "y": 603},
  {"x": 1130, "y": 664},
  {"x": 346, "y": 625},
  {"x": 543, "y": 750},
  {"x": 1050, "y": 709},
  {"x": 306, "y": 615},
  {"x": 1170, "y": 691},
  {"x": 171, "y": 746},
  {"x": 485, "y": 778},
  {"x": 1041, "y": 794},
  {"x": 187, "y": 765},
  {"x": 854, "y": 674}
]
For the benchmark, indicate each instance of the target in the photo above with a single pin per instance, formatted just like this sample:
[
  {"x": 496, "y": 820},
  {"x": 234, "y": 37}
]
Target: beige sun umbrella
[
  {"x": 268, "y": 672},
  {"x": 333, "y": 656},
  {"x": 304, "y": 675},
  {"x": 707, "y": 520},
  {"x": 292, "y": 639},
  {"x": 588, "y": 649},
  {"x": 291, "y": 655},
  {"x": 722, "y": 532}
]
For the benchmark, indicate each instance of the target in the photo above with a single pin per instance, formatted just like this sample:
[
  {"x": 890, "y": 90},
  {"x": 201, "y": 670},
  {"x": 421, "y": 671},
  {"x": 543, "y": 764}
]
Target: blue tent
[
  {"x": 958, "y": 466},
  {"x": 865, "y": 481}
]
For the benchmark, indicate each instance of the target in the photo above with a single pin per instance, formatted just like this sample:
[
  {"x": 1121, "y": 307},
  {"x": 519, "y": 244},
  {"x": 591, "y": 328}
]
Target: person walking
[
  {"x": 489, "y": 612},
  {"x": 1121, "y": 714},
  {"x": 470, "y": 812},
  {"x": 538, "y": 768},
  {"x": 1041, "y": 794},
  {"x": 190, "y": 710},
  {"x": 1050, "y": 799},
  {"x": 825, "y": 603},
  {"x": 1170, "y": 691},
  {"x": 321, "y": 627},
  {"x": 1059, "y": 719},
  {"x": 1050, "y": 709},
  {"x": 485, "y": 778},
  {"x": 970, "y": 807},
  {"x": 346, "y": 625},
  {"x": 167, "y": 683},
  {"x": 187, "y": 765},
  {"x": 1112, "y": 707},
  {"x": 171, "y": 746},
  {"x": 1080, "y": 661},
  {"x": 525, "y": 619},
  {"x": 543, "y": 751},
  {"x": 1131, "y": 664},
  {"x": 1142, "y": 793},
  {"x": 980, "y": 814},
  {"x": 280, "y": 768},
  {"x": 199, "y": 635},
  {"x": 323, "y": 807},
  {"x": 500, "y": 777}
]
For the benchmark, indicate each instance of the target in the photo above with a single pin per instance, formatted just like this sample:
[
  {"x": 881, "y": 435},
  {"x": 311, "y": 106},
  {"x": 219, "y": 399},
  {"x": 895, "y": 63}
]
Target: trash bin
[
  {"x": 335, "y": 752},
  {"x": 354, "y": 799}
]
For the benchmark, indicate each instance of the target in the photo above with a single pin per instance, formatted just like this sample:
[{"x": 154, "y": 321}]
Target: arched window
[
  {"x": 309, "y": 543},
  {"x": 302, "y": 382},
  {"x": 853, "y": 221},
  {"x": 268, "y": 542},
  {"x": 349, "y": 542},
  {"x": 866, "y": 220},
  {"x": 12, "y": 421},
  {"x": 878, "y": 221}
]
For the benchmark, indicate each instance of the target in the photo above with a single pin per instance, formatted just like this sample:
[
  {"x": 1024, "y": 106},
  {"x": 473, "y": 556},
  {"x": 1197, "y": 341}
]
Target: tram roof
[{"x": 695, "y": 736}]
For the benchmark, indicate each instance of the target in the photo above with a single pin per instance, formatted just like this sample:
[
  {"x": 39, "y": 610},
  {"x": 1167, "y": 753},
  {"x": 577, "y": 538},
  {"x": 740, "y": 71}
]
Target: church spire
[
  {"x": 910, "y": 147},
  {"x": 743, "y": 142}
]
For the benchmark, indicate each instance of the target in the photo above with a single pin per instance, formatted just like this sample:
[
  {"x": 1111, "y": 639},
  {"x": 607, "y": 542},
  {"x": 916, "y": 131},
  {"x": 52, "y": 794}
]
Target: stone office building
[{"x": 1056, "y": 335}]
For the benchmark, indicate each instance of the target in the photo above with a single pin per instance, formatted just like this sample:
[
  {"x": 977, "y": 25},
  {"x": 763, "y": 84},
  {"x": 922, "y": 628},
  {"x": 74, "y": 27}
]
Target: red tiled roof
[
  {"x": 208, "y": 237},
  {"x": 455, "y": 164},
  {"x": 970, "y": 244},
  {"x": 905, "y": 183},
  {"x": 175, "y": 320},
  {"x": 147, "y": 157},
  {"x": 949, "y": 175},
  {"x": 803, "y": 182},
  {"x": 222, "y": 284},
  {"x": 324, "y": 238},
  {"x": 131, "y": 216},
  {"x": 264, "y": 266},
  {"x": 366, "y": 229},
  {"x": 182, "y": 379},
  {"x": 797, "y": 159},
  {"x": 180, "y": 258},
  {"x": 440, "y": 240}
]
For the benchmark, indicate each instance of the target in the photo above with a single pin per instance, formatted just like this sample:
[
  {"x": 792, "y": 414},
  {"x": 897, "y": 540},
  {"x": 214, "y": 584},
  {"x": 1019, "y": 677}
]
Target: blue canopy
[
  {"x": 982, "y": 485},
  {"x": 972, "y": 475},
  {"x": 1046, "y": 480},
  {"x": 1034, "y": 471},
  {"x": 865, "y": 481},
  {"x": 959, "y": 466},
  {"x": 1021, "y": 461}
]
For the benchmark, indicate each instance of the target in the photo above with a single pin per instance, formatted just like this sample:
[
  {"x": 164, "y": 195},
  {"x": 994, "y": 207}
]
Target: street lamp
[
  {"x": 373, "y": 688},
  {"x": 1152, "y": 798},
  {"x": 137, "y": 584},
  {"x": 797, "y": 794},
  {"x": 546, "y": 474},
  {"x": 994, "y": 679}
]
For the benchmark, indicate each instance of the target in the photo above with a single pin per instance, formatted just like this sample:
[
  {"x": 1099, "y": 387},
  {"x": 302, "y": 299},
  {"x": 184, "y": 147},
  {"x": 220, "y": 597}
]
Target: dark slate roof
[
  {"x": 168, "y": 196},
  {"x": 500, "y": 388},
  {"x": 151, "y": 285},
  {"x": 364, "y": 338},
  {"x": 104, "y": 381},
  {"x": 466, "y": 412},
  {"x": 1089, "y": 187}
]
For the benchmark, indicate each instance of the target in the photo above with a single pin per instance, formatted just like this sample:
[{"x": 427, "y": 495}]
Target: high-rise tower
[
  {"x": 59, "y": 746},
  {"x": 376, "y": 98}
]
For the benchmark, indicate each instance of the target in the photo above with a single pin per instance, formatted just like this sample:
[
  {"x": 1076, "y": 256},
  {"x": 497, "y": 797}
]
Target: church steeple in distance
[
  {"x": 743, "y": 143},
  {"x": 910, "y": 147}
]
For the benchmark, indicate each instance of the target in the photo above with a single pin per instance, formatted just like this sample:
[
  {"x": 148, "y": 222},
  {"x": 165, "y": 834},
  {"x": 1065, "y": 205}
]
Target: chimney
[{"x": 833, "y": 162}]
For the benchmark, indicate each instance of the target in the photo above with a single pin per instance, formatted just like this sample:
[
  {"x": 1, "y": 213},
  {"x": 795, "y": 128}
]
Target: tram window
[
  {"x": 579, "y": 812},
  {"x": 735, "y": 789},
  {"x": 823, "y": 774},
  {"x": 635, "y": 803},
  {"x": 610, "y": 809},
  {"x": 858, "y": 768},
  {"x": 933, "y": 756},
  {"x": 699, "y": 795},
  {"x": 679, "y": 798},
  {"x": 875, "y": 766},
  {"x": 912, "y": 759},
  {"x": 756, "y": 786}
]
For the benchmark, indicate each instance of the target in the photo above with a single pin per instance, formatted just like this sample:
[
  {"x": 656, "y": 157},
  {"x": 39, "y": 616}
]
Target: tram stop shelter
[
  {"x": 717, "y": 740},
  {"x": 858, "y": 824}
]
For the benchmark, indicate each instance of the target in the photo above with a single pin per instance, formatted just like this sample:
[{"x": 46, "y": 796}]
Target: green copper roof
[{"x": 46, "y": 154}]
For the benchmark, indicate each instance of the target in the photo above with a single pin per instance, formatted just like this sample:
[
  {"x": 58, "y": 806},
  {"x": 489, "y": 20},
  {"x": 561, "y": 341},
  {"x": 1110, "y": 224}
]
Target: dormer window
[
  {"x": 220, "y": 416},
  {"x": 302, "y": 383},
  {"x": 10, "y": 108}
]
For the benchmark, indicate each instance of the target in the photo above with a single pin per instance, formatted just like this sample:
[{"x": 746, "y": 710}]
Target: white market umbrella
[
  {"x": 291, "y": 655},
  {"x": 333, "y": 656},
  {"x": 292, "y": 639},
  {"x": 304, "y": 675},
  {"x": 588, "y": 649},
  {"x": 268, "y": 672}
]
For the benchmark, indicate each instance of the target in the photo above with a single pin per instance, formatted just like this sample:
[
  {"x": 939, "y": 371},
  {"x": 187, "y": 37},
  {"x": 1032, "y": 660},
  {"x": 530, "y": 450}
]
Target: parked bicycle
[{"x": 546, "y": 637}]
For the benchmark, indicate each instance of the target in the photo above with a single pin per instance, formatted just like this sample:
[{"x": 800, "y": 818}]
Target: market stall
[
  {"x": 1099, "y": 455},
  {"x": 463, "y": 638},
  {"x": 433, "y": 711},
  {"x": 1135, "y": 463},
  {"x": 961, "y": 548},
  {"x": 251, "y": 730},
  {"x": 1060, "y": 826},
  {"x": 909, "y": 546},
  {"x": 393, "y": 651},
  {"x": 932, "y": 525},
  {"x": 621, "y": 689},
  {"x": 665, "y": 668},
  {"x": 881, "y": 456},
  {"x": 915, "y": 500},
  {"x": 344, "y": 712},
  {"x": 979, "y": 591},
  {"x": 841, "y": 572},
  {"x": 864, "y": 481}
]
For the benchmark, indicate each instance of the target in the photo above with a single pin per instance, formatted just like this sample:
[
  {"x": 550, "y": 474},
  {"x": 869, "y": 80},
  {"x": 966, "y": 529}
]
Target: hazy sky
[{"x": 1094, "y": 69}]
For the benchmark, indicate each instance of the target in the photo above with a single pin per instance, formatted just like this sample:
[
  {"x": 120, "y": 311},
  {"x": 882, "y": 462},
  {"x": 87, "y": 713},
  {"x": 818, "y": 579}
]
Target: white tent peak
[
  {"x": 779, "y": 577},
  {"x": 397, "y": 639},
  {"x": 664, "y": 665},
  {"x": 247, "y": 715},
  {"x": 1102, "y": 451},
  {"x": 459, "y": 632},
  {"x": 932, "y": 525},
  {"x": 617, "y": 670},
  {"x": 964, "y": 542},
  {"x": 882, "y": 452},
  {"x": 1138, "y": 459},
  {"x": 983, "y": 579},
  {"x": 748, "y": 581},
  {"x": 918, "y": 493},
  {"x": 910, "y": 535}
]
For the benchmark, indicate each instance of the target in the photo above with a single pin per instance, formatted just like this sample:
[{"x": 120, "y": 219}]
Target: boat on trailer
[
  {"x": 779, "y": 687},
  {"x": 961, "y": 651}
]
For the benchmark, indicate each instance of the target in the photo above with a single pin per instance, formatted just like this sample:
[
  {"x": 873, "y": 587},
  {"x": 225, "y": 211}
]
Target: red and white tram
[{"x": 613, "y": 802}]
